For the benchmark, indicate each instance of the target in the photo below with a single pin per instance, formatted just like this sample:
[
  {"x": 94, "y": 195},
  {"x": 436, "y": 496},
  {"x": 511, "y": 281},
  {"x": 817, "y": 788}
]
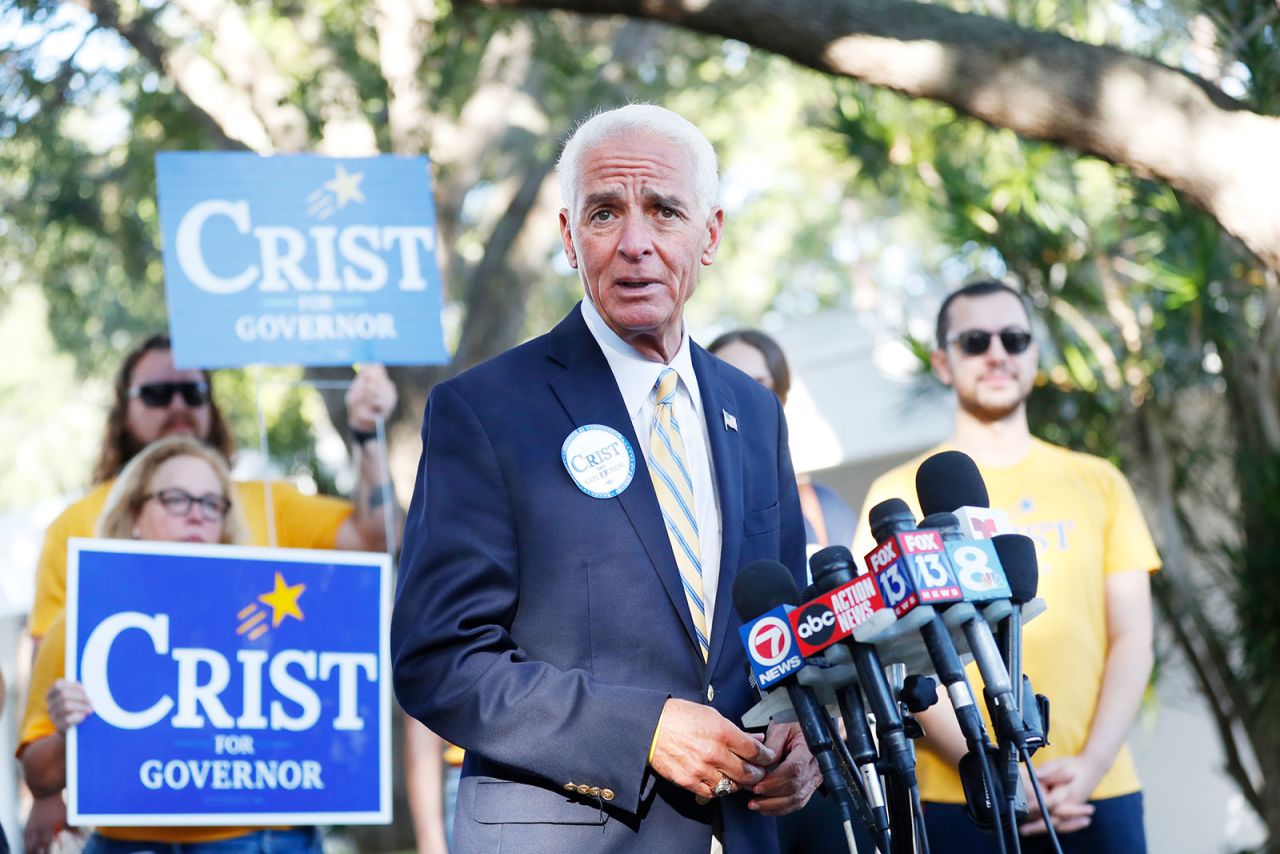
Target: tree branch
[
  {"x": 249, "y": 71},
  {"x": 209, "y": 111},
  {"x": 403, "y": 27},
  {"x": 1156, "y": 120}
]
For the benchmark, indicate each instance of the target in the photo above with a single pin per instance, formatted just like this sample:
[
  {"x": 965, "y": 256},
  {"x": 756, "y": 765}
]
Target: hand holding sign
[
  {"x": 68, "y": 704},
  {"x": 372, "y": 396}
]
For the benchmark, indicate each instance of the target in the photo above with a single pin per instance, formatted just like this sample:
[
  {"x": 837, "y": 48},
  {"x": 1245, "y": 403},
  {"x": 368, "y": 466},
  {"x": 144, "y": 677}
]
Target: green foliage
[
  {"x": 290, "y": 409},
  {"x": 1155, "y": 339}
]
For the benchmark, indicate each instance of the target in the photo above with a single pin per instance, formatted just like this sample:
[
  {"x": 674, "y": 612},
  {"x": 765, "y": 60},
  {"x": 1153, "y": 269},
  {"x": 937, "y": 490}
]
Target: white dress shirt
[{"x": 637, "y": 377}]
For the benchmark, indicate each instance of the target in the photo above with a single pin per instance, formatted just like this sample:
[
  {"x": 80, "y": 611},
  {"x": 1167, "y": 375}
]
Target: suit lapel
[
  {"x": 589, "y": 393},
  {"x": 726, "y": 455}
]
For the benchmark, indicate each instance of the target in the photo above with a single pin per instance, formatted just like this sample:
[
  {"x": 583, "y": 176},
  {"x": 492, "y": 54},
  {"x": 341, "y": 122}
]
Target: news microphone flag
[
  {"x": 771, "y": 647},
  {"x": 911, "y": 569}
]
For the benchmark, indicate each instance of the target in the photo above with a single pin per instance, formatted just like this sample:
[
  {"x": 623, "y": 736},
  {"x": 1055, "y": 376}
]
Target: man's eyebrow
[
  {"x": 665, "y": 200},
  {"x": 600, "y": 197}
]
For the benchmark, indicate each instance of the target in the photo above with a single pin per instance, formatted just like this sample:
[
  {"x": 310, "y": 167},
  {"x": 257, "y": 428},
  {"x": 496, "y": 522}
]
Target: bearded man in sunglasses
[
  {"x": 154, "y": 399},
  {"x": 1090, "y": 652}
]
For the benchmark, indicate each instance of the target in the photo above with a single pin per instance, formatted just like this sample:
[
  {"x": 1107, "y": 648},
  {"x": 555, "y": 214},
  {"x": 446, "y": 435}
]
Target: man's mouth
[{"x": 634, "y": 284}]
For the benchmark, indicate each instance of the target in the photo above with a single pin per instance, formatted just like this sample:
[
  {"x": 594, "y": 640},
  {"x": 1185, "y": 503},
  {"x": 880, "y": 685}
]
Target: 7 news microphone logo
[{"x": 771, "y": 649}]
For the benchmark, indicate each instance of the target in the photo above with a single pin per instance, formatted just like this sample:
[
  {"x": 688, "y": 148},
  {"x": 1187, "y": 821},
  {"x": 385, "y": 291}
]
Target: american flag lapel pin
[{"x": 730, "y": 422}]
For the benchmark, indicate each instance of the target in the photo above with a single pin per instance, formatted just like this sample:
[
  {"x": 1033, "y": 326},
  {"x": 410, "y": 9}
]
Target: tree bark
[{"x": 1156, "y": 120}]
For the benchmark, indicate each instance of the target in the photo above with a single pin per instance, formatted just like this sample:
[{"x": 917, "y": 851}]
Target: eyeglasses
[
  {"x": 177, "y": 502},
  {"x": 159, "y": 395},
  {"x": 975, "y": 342}
]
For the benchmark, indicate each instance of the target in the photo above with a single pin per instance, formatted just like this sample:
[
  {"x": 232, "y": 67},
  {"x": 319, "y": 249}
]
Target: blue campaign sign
[
  {"x": 229, "y": 685},
  {"x": 299, "y": 259}
]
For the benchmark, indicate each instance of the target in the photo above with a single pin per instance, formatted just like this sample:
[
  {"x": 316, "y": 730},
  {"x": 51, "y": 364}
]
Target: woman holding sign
[{"x": 177, "y": 490}]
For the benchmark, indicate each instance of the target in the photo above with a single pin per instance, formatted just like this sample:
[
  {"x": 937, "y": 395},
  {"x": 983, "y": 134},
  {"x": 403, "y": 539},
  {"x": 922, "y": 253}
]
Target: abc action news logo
[
  {"x": 778, "y": 640},
  {"x": 834, "y": 615}
]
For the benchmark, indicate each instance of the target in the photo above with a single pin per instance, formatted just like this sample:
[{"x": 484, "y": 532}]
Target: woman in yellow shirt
[{"x": 177, "y": 490}]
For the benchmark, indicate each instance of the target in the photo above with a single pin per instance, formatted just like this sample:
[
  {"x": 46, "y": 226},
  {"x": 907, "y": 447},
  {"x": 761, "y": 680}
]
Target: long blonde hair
[{"x": 127, "y": 495}]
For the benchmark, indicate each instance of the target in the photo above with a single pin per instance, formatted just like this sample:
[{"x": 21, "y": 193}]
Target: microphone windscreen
[
  {"x": 763, "y": 585},
  {"x": 832, "y": 556},
  {"x": 1017, "y": 554},
  {"x": 888, "y": 517},
  {"x": 940, "y": 522},
  {"x": 949, "y": 480}
]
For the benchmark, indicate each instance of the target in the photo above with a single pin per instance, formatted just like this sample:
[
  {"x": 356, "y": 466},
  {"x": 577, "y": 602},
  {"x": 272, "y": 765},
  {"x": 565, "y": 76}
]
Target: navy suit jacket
[{"x": 542, "y": 629}]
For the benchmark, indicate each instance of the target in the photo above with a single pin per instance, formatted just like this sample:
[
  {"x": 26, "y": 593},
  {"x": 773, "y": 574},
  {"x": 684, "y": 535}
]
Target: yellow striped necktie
[{"x": 668, "y": 466}]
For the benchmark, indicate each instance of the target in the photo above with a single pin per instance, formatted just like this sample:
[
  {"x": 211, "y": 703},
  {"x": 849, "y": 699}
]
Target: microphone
[
  {"x": 982, "y": 580},
  {"x": 1017, "y": 554},
  {"x": 949, "y": 482},
  {"x": 909, "y": 570},
  {"x": 762, "y": 591},
  {"x": 833, "y": 569}
]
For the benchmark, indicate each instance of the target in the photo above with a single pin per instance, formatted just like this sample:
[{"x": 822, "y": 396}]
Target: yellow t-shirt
[
  {"x": 50, "y": 665},
  {"x": 302, "y": 522},
  {"x": 1086, "y": 524}
]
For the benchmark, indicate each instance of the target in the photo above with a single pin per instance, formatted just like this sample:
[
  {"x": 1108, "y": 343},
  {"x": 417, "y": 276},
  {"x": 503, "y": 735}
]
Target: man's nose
[{"x": 637, "y": 238}]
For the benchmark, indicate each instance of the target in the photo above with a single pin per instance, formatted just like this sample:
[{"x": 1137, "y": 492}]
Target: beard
[
  {"x": 990, "y": 411},
  {"x": 132, "y": 446}
]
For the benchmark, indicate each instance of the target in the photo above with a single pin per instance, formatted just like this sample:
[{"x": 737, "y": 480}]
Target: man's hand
[
  {"x": 371, "y": 396},
  {"x": 787, "y": 786},
  {"x": 1067, "y": 782},
  {"x": 68, "y": 704},
  {"x": 696, "y": 745}
]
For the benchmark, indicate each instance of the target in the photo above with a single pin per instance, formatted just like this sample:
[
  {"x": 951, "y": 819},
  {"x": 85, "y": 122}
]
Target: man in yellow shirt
[
  {"x": 154, "y": 399},
  {"x": 1090, "y": 653}
]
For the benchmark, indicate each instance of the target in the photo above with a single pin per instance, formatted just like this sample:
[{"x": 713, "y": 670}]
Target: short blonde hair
[{"x": 127, "y": 495}]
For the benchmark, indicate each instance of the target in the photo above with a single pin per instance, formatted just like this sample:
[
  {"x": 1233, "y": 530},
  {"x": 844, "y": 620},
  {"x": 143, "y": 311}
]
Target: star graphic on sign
[
  {"x": 345, "y": 186},
  {"x": 283, "y": 600}
]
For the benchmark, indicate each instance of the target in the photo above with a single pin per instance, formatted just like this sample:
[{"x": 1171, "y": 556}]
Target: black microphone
[
  {"x": 997, "y": 685},
  {"x": 910, "y": 566},
  {"x": 832, "y": 567},
  {"x": 760, "y": 587},
  {"x": 1018, "y": 557},
  {"x": 890, "y": 519},
  {"x": 949, "y": 482}
]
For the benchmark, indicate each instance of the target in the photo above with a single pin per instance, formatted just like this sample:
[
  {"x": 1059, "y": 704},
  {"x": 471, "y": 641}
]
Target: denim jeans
[
  {"x": 299, "y": 840},
  {"x": 1116, "y": 829}
]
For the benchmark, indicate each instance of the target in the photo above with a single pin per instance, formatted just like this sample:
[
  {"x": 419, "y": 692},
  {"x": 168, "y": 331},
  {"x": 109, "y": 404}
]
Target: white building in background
[{"x": 857, "y": 409}]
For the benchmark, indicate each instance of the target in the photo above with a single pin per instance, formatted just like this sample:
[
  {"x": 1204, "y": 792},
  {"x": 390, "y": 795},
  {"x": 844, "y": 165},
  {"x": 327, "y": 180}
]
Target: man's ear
[
  {"x": 941, "y": 366},
  {"x": 715, "y": 227},
  {"x": 567, "y": 238}
]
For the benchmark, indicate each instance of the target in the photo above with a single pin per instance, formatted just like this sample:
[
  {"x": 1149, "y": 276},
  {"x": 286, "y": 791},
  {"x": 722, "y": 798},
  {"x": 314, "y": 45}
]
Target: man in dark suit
[{"x": 583, "y": 504}]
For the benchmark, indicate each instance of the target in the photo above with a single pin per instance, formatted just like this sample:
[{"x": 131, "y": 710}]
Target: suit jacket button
[
  {"x": 701, "y": 800},
  {"x": 607, "y": 794},
  {"x": 584, "y": 789},
  {"x": 595, "y": 792},
  {"x": 570, "y": 787},
  {"x": 711, "y": 693}
]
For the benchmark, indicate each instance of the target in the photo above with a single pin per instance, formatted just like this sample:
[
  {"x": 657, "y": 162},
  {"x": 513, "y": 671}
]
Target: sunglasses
[
  {"x": 975, "y": 342},
  {"x": 159, "y": 395},
  {"x": 177, "y": 502}
]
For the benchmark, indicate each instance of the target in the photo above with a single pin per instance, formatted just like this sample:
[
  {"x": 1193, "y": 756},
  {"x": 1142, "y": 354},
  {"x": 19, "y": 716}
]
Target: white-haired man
[{"x": 563, "y": 611}]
